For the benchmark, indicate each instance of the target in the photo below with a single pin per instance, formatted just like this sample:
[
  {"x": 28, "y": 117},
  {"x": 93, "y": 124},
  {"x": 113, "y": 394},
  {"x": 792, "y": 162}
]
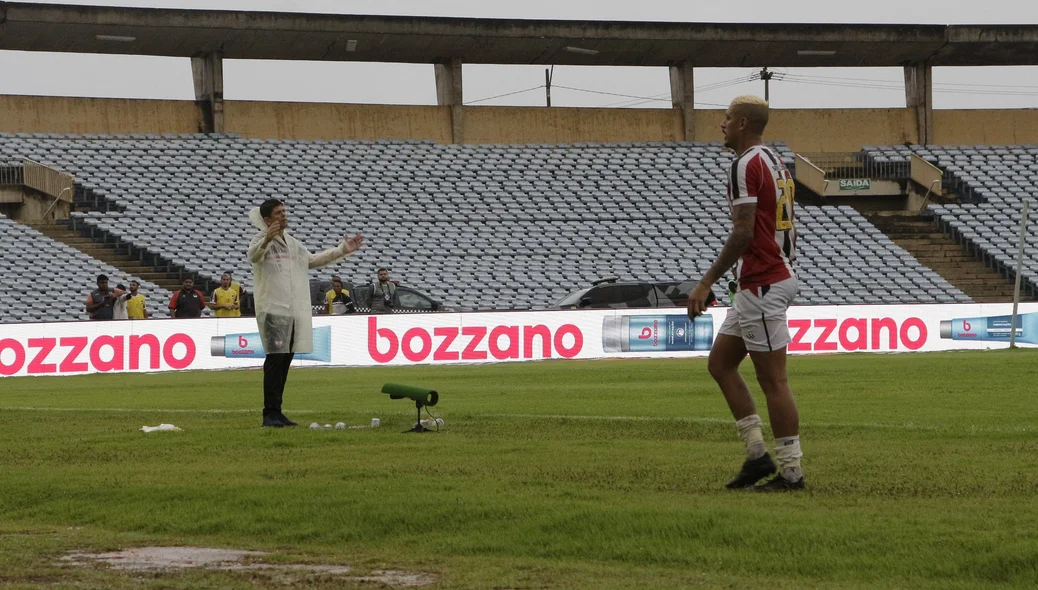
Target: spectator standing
[
  {"x": 136, "y": 305},
  {"x": 382, "y": 297},
  {"x": 119, "y": 307},
  {"x": 100, "y": 303},
  {"x": 337, "y": 300},
  {"x": 188, "y": 302},
  {"x": 225, "y": 301},
  {"x": 236, "y": 286}
]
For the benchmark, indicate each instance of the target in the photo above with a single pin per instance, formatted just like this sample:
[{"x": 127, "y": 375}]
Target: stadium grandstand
[{"x": 502, "y": 207}]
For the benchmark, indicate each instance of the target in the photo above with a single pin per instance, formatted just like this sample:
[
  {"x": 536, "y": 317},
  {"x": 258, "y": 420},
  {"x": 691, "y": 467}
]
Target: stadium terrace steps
[
  {"x": 107, "y": 254},
  {"x": 993, "y": 182},
  {"x": 941, "y": 253},
  {"x": 56, "y": 276}
]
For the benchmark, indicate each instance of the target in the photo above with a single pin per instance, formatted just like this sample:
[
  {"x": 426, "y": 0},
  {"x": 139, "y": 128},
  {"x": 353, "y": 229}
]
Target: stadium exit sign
[{"x": 855, "y": 184}]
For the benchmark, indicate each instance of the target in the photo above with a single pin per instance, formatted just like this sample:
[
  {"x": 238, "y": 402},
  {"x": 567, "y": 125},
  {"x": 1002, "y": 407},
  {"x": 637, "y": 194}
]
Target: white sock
[
  {"x": 750, "y": 433},
  {"x": 788, "y": 454}
]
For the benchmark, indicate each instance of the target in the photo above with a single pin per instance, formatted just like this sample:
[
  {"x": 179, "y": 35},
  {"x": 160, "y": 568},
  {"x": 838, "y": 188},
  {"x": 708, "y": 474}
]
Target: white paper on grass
[{"x": 160, "y": 428}]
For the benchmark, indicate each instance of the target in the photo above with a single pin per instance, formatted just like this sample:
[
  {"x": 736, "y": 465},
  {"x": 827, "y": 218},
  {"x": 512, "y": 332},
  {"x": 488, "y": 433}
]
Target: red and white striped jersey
[{"x": 759, "y": 176}]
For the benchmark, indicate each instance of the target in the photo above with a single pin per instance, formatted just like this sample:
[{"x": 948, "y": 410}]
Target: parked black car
[
  {"x": 411, "y": 300},
  {"x": 613, "y": 293}
]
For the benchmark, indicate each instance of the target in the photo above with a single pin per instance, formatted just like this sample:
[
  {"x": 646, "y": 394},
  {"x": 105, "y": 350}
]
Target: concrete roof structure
[{"x": 324, "y": 37}]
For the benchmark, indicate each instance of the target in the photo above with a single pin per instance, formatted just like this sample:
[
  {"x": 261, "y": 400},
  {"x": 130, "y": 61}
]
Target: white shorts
[{"x": 760, "y": 319}]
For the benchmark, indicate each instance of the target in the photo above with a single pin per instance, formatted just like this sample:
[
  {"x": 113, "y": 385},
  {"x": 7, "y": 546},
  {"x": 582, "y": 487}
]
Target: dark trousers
[
  {"x": 275, "y": 374},
  {"x": 276, "y": 365}
]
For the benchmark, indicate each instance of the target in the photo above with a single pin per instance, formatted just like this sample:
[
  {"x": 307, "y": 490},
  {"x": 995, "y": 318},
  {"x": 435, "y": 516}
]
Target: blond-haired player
[{"x": 761, "y": 251}]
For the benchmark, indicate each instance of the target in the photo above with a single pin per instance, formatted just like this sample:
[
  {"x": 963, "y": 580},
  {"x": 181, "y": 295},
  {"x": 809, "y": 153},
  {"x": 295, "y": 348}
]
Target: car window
[
  {"x": 637, "y": 295},
  {"x": 606, "y": 295},
  {"x": 571, "y": 299},
  {"x": 674, "y": 294},
  {"x": 411, "y": 300}
]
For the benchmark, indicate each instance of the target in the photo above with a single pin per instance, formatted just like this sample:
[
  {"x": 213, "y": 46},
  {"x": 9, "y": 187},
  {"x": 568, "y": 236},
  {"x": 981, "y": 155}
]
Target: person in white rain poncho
[{"x": 282, "y": 296}]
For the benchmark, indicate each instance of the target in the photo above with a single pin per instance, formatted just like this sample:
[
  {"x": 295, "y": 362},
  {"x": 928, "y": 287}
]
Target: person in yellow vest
[
  {"x": 135, "y": 303},
  {"x": 337, "y": 300},
  {"x": 225, "y": 302},
  {"x": 236, "y": 286}
]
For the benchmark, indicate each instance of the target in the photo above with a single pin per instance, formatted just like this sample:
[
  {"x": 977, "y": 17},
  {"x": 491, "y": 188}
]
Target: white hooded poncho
[{"x": 281, "y": 287}]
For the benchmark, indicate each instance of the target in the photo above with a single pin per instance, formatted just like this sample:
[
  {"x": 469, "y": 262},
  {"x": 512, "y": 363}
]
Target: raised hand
[
  {"x": 353, "y": 244},
  {"x": 274, "y": 230}
]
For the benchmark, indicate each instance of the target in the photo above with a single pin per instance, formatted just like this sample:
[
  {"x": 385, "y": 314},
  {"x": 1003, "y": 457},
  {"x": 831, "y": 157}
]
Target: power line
[
  {"x": 631, "y": 103},
  {"x": 631, "y": 100},
  {"x": 642, "y": 98},
  {"x": 877, "y": 85},
  {"x": 731, "y": 82},
  {"x": 665, "y": 97},
  {"x": 504, "y": 95},
  {"x": 898, "y": 82},
  {"x": 604, "y": 93}
]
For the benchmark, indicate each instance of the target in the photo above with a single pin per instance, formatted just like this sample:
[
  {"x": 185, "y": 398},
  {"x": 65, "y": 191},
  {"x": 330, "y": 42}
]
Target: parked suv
[{"x": 613, "y": 293}]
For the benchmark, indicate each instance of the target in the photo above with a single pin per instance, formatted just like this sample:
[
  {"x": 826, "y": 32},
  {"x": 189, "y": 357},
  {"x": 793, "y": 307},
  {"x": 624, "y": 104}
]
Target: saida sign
[{"x": 855, "y": 184}]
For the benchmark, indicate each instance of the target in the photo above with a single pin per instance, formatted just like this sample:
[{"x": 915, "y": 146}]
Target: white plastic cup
[{"x": 375, "y": 422}]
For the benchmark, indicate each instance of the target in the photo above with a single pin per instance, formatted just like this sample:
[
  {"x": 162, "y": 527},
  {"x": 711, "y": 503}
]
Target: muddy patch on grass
[
  {"x": 160, "y": 558},
  {"x": 172, "y": 558}
]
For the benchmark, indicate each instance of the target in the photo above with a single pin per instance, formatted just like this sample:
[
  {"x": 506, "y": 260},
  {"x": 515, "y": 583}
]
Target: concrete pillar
[
  {"x": 919, "y": 98},
  {"x": 682, "y": 95},
  {"x": 449, "y": 94},
  {"x": 207, "y": 70}
]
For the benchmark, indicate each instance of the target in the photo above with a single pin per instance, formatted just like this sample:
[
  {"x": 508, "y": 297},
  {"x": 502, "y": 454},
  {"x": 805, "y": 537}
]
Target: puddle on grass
[{"x": 166, "y": 558}]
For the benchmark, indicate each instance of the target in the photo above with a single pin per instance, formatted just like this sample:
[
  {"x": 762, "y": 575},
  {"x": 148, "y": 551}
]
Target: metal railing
[
  {"x": 10, "y": 173},
  {"x": 850, "y": 165},
  {"x": 810, "y": 175},
  {"x": 49, "y": 181}
]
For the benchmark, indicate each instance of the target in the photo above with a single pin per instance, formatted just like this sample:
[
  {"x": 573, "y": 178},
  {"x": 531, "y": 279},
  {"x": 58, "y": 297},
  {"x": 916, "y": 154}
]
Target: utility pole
[
  {"x": 547, "y": 83},
  {"x": 766, "y": 76}
]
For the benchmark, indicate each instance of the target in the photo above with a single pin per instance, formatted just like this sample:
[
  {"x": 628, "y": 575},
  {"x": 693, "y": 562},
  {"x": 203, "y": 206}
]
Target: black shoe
[
  {"x": 272, "y": 422},
  {"x": 753, "y": 470},
  {"x": 285, "y": 421},
  {"x": 780, "y": 484}
]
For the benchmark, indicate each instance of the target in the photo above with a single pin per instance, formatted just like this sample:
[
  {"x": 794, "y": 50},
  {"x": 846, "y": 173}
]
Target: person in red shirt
[
  {"x": 188, "y": 302},
  {"x": 760, "y": 251}
]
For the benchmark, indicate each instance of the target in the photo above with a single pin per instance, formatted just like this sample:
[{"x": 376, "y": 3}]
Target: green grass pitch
[{"x": 922, "y": 472}]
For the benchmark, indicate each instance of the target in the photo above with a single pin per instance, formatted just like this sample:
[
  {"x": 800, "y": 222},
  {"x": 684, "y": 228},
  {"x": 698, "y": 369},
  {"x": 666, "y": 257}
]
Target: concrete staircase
[
  {"x": 130, "y": 266},
  {"x": 937, "y": 250}
]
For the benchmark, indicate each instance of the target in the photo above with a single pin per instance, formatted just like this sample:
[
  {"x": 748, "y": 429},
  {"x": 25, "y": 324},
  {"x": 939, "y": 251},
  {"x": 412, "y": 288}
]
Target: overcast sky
[{"x": 170, "y": 78}]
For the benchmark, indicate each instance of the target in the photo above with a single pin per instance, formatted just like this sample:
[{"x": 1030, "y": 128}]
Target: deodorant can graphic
[
  {"x": 251, "y": 346},
  {"x": 995, "y": 328},
  {"x": 657, "y": 333}
]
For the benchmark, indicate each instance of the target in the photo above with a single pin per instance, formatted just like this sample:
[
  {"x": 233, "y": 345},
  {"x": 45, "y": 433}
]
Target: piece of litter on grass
[{"x": 160, "y": 428}]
